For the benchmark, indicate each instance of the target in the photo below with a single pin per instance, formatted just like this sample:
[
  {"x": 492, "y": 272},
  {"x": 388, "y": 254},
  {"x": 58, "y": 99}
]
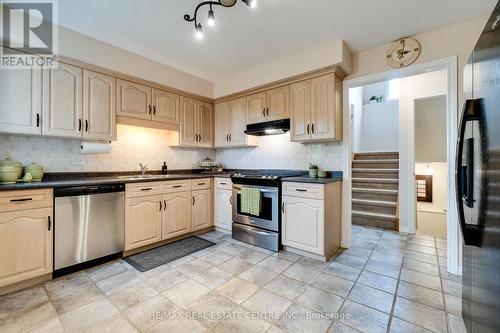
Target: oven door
[{"x": 268, "y": 217}]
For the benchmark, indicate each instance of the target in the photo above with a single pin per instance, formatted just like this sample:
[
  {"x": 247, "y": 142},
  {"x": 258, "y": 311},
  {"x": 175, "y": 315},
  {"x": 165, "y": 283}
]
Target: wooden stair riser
[
  {"x": 376, "y": 223},
  {"x": 375, "y": 196},
  {"x": 376, "y": 156},
  {"x": 374, "y": 185},
  {"x": 375, "y": 165},
  {"x": 362, "y": 207},
  {"x": 378, "y": 175}
]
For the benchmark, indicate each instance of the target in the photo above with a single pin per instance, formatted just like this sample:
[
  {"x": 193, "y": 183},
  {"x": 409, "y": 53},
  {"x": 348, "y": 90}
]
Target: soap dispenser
[{"x": 164, "y": 168}]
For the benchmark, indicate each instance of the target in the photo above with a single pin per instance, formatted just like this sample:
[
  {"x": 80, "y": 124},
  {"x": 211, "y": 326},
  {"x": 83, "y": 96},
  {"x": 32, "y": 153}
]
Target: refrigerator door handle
[{"x": 472, "y": 234}]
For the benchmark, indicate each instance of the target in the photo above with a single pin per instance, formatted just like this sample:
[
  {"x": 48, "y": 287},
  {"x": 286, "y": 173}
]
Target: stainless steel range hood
[{"x": 269, "y": 128}]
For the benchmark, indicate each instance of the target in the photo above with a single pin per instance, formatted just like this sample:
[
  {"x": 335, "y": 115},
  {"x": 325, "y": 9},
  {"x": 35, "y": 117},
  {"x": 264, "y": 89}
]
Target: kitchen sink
[{"x": 144, "y": 176}]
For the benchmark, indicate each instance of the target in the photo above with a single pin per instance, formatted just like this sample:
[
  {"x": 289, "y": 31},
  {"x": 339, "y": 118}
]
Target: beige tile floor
[{"x": 387, "y": 282}]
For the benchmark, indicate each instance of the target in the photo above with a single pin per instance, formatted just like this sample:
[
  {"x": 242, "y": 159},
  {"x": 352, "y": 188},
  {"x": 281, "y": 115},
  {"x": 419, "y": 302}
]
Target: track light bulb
[
  {"x": 211, "y": 18},
  {"x": 199, "y": 32}
]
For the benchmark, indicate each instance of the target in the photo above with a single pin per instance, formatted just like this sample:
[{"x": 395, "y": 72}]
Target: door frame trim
[{"x": 454, "y": 261}]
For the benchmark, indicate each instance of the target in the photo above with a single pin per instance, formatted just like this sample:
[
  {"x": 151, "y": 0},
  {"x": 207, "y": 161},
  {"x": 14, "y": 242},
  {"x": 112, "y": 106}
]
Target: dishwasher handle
[{"x": 88, "y": 190}]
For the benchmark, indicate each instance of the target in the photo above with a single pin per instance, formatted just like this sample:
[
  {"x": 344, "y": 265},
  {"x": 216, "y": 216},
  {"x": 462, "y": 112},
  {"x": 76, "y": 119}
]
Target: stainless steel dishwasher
[{"x": 88, "y": 226}]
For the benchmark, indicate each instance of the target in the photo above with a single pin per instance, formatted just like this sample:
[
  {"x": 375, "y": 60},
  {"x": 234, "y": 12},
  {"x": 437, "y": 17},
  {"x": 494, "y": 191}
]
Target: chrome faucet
[{"x": 144, "y": 168}]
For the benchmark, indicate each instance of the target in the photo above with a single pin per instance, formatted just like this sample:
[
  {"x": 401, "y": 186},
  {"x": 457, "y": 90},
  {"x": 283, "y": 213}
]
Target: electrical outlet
[{"x": 77, "y": 160}]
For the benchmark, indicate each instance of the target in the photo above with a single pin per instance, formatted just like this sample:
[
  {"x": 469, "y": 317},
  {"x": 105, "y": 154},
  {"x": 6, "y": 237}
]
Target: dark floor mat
[{"x": 147, "y": 260}]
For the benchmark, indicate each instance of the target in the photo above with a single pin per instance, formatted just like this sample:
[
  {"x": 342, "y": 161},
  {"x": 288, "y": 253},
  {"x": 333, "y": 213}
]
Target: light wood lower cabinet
[
  {"x": 202, "y": 209},
  {"x": 143, "y": 221},
  {"x": 311, "y": 218},
  {"x": 303, "y": 221},
  {"x": 176, "y": 219},
  {"x": 25, "y": 245}
]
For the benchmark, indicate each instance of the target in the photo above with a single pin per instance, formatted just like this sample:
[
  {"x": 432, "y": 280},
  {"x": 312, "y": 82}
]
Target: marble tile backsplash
[
  {"x": 133, "y": 145},
  {"x": 277, "y": 152},
  {"x": 146, "y": 145}
]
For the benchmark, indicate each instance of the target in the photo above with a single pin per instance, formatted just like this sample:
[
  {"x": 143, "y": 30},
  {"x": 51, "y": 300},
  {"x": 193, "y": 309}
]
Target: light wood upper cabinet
[
  {"x": 196, "y": 126},
  {"x": 166, "y": 107},
  {"x": 25, "y": 245},
  {"x": 273, "y": 104},
  {"x": 222, "y": 124},
  {"x": 278, "y": 100},
  {"x": 316, "y": 109},
  {"x": 256, "y": 108},
  {"x": 143, "y": 220},
  {"x": 202, "y": 209},
  {"x": 99, "y": 112},
  {"x": 204, "y": 125},
  {"x": 134, "y": 100},
  {"x": 177, "y": 214},
  {"x": 188, "y": 134},
  {"x": 300, "y": 103},
  {"x": 238, "y": 123},
  {"x": 63, "y": 102},
  {"x": 21, "y": 101},
  {"x": 231, "y": 123}
]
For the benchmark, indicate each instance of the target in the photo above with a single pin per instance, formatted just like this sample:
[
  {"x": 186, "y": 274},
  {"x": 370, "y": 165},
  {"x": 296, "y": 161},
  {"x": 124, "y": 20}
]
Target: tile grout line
[{"x": 53, "y": 307}]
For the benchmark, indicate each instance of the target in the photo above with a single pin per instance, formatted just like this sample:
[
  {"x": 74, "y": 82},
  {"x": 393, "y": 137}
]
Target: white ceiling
[{"x": 244, "y": 37}]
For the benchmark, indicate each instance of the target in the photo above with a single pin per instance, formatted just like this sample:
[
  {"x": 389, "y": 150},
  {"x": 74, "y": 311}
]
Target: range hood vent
[{"x": 269, "y": 128}]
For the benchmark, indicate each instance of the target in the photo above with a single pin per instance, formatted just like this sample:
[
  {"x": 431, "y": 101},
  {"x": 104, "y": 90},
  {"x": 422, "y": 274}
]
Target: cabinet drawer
[
  {"x": 223, "y": 183},
  {"x": 176, "y": 186},
  {"x": 25, "y": 199},
  {"x": 304, "y": 190},
  {"x": 201, "y": 184},
  {"x": 143, "y": 189}
]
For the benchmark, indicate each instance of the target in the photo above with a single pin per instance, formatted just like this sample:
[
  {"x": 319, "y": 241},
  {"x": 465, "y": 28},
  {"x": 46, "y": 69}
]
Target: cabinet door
[
  {"x": 134, "y": 100},
  {"x": 303, "y": 224},
  {"x": 238, "y": 111},
  {"x": 142, "y": 221},
  {"x": 300, "y": 111},
  {"x": 256, "y": 105},
  {"x": 323, "y": 108},
  {"x": 21, "y": 101},
  {"x": 99, "y": 111},
  {"x": 205, "y": 125},
  {"x": 63, "y": 102},
  {"x": 166, "y": 107},
  {"x": 278, "y": 101},
  {"x": 176, "y": 215},
  {"x": 187, "y": 135},
  {"x": 202, "y": 211},
  {"x": 25, "y": 245},
  {"x": 222, "y": 124},
  {"x": 223, "y": 209}
]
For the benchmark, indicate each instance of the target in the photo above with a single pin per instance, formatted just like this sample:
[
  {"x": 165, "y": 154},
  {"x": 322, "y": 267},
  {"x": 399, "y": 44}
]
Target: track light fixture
[{"x": 211, "y": 16}]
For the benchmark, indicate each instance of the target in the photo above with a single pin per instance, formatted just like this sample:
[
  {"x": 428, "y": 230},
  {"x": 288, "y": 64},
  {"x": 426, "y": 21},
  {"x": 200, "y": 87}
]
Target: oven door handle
[{"x": 262, "y": 190}]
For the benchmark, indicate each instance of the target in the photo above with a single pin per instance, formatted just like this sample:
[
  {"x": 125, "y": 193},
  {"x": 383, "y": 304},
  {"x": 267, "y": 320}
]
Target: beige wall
[
  {"x": 297, "y": 63},
  {"x": 454, "y": 40},
  {"x": 92, "y": 51}
]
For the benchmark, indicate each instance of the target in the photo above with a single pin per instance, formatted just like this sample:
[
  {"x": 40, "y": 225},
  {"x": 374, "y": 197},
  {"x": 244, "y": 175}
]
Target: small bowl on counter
[
  {"x": 15, "y": 164},
  {"x": 322, "y": 173},
  {"x": 35, "y": 170},
  {"x": 8, "y": 174}
]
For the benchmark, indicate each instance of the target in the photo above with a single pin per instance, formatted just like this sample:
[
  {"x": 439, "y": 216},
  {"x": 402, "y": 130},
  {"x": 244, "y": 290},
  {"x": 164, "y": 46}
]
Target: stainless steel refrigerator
[{"x": 478, "y": 182}]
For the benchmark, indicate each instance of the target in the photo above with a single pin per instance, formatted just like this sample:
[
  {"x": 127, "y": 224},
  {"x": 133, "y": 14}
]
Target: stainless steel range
[{"x": 262, "y": 229}]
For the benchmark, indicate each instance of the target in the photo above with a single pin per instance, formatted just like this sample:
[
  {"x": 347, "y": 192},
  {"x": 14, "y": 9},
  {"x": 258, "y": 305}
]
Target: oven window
[{"x": 266, "y": 212}]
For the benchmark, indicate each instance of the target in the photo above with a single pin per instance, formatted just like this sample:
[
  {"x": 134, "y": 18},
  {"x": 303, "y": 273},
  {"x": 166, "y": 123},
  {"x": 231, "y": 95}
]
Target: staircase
[{"x": 375, "y": 184}]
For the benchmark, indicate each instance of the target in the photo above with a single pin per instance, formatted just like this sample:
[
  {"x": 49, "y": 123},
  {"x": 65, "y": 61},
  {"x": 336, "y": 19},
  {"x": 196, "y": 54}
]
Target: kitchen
[{"x": 131, "y": 187}]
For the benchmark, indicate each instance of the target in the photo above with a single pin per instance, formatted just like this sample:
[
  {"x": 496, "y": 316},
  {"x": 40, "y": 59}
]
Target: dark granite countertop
[
  {"x": 60, "y": 180},
  {"x": 70, "y": 179},
  {"x": 334, "y": 176}
]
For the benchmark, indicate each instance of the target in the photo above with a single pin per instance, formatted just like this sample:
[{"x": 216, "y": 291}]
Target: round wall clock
[{"x": 403, "y": 52}]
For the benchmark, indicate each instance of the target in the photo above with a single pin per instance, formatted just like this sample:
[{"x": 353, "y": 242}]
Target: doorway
[
  {"x": 412, "y": 87},
  {"x": 431, "y": 166}
]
